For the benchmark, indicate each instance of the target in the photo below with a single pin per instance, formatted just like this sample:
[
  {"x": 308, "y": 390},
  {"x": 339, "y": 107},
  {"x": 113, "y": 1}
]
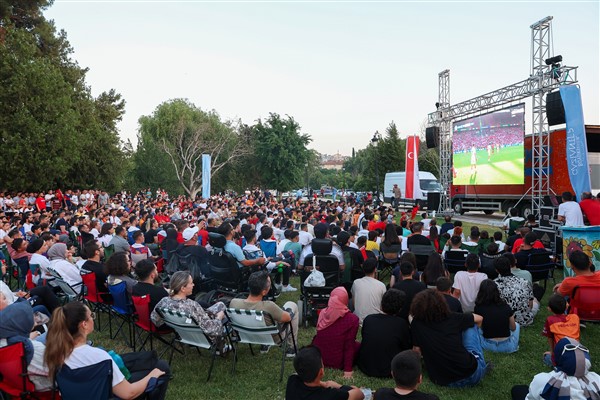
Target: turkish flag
[{"x": 413, "y": 188}]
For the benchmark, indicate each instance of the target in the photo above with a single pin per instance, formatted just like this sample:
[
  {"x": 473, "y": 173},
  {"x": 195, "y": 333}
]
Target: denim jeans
[
  {"x": 472, "y": 343},
  {"x": 508, "y": 345}
]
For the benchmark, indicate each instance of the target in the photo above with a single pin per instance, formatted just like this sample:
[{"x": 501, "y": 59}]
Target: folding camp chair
[
  {"x": 93, "y": 382},
  {"x": 454, "y": 260},
  {"x": 422, "y": 253},
  {"x": 92, "y": 297},
  {"x": 252, "y": 328},
  {"x": 14, "y": 380},
  {"x": 192, "y": 334},
  {"x": 541, "y": 267},
  {"x": 145, "y": 324},
  {"x": 123, "y": 310},
  {"x": 69, "y": 292}
]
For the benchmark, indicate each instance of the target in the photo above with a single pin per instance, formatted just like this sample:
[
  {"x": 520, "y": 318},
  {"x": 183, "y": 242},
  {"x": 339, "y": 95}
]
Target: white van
[{"x": 427, "y": 181}]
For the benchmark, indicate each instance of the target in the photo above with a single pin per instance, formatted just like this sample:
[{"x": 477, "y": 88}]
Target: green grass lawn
[
  {"x": 257, "y": 376},
  {"x": 503, "y": 168}
]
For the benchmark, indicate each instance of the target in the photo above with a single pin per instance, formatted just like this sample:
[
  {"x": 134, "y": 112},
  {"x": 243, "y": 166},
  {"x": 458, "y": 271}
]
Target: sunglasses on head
[{"x": 573, "y": 347}]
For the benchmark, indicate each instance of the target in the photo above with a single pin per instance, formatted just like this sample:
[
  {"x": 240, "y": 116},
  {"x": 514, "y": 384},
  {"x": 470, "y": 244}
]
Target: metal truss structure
[{"x": 543, "y": 79}]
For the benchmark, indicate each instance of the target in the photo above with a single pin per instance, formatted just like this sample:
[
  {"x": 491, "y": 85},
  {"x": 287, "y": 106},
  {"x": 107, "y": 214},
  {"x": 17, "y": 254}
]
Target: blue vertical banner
[
  {"x": 577, "y": 153},
  {"x": 206, "y": 176}
]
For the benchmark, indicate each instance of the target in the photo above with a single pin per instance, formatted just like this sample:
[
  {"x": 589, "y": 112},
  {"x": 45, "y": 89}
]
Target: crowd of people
[
  {"x": 447, "y": 318},
  {"x": 484, "y": 138}
]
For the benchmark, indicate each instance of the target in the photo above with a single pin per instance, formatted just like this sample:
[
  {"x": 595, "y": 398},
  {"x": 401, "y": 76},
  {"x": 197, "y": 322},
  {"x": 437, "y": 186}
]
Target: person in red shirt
[
  {"x": 40, "y": 203},
  {"x": 590, "y": 208},
  {"x": 581, "y": 264},
  {"x": 202, "y": 233}
]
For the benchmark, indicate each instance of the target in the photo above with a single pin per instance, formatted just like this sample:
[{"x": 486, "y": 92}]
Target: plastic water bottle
[
  {"x": 367, "y": 393},
  {"x": 280, "y": 268}
]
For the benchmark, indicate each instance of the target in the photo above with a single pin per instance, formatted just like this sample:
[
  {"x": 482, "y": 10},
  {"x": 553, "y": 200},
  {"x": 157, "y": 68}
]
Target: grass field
[
  {"x": 257, "y": 376},
  {"x": 504, "y": 168}
]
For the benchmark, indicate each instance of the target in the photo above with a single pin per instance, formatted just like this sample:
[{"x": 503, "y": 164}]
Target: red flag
[{"x": 412, "y": 189}]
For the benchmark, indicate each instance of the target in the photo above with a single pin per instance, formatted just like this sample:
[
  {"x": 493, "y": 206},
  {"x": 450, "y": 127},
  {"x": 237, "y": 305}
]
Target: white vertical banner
[{"x": 206, "y": 176}]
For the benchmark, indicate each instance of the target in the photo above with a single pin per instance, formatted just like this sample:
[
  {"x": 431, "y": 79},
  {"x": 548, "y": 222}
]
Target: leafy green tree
[
  {"x": 280, "y": 151},
  {"x": 184, "y": 132},
  {"x": 52, "y": 131}
]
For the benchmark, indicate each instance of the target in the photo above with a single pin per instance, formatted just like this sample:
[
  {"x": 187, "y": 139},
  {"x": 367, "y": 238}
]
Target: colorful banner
[
  {"x": 206, "y": 176},
  {"x": 413, "y": 187},
  {"x": 577, "y": 160}
]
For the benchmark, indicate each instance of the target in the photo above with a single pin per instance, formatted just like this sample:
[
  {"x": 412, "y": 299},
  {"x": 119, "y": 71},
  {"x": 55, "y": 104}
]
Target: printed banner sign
[{"x": 577, "y": 153}]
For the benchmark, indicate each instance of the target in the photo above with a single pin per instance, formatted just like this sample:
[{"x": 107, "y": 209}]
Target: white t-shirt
[
  {"x": 84, "y": 356},
  {"x": 572, "y": 213},
  {"x": 69, "y": 272},
  {"x": 43, "y": 262},
  {"x": 304, "y": 238},
  {"x": 10, "y": 297},
  {"x": 367, "y": 293},
  {"x": 468, "y": 283}
]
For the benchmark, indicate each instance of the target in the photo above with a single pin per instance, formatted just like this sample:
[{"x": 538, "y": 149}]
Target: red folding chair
[
  {"x": 585, "y": 302},
  {"x": 145, "y": 324},
  {"x": 14, "y": 380},
  {"x": 94, "y": 299}
]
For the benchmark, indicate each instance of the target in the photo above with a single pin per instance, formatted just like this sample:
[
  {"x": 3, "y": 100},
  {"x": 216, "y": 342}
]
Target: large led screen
[{"x": 489, "y": 149}]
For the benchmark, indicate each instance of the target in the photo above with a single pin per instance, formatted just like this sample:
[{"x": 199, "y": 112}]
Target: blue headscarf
[
  {"x": 17, "y": 321},
  {"x": 573, "y": 362}
]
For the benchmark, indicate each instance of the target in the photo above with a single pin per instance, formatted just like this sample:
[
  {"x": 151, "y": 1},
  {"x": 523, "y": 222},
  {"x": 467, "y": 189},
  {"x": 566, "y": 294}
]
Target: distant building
[{"x": 335, "y": 161}]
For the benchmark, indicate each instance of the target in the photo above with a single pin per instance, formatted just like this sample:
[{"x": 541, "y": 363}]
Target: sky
[{"x": 342, "y": 70}]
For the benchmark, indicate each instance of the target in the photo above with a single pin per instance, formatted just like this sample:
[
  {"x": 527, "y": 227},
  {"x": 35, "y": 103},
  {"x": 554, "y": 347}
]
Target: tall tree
[
  {"x": 185, "y": 132},
  {"x": 281, "y": 152},
  {"x": 52, "y": 130}
]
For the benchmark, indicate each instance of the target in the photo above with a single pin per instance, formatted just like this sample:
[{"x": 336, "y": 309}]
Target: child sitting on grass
[{"x": 559, "y": 325}]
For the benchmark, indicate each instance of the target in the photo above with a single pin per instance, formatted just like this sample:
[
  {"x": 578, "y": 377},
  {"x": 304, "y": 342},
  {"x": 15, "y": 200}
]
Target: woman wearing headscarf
[
  {"x": 336, "y": 333},
  {"x": 571, "y": 378},
  {"x": 59, "y": 256}
]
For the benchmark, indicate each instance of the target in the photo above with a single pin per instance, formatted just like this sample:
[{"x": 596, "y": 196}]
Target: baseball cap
[{"x": 188, "y": 233}]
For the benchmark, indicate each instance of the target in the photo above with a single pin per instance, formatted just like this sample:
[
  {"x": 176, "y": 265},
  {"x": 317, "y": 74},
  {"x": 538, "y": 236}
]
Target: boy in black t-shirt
[
  {"x": 406, "y": 370},
  {"x": 307, "y": 383}
]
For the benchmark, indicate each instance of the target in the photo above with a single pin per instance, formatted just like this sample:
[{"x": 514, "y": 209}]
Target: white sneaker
[
  {"x": 279, "y": 286},
  {"x": 288, "y": 288}
]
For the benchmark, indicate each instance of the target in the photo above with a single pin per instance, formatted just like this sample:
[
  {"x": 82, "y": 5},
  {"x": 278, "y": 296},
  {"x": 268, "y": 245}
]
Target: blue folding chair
[
  {"x": 122, "y": 308},
  {"x": 93, "y": 382}
]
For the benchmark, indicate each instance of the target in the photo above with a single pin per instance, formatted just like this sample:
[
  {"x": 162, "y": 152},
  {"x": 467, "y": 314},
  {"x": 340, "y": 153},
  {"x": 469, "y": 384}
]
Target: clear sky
[{"x": 342, "y": 69}]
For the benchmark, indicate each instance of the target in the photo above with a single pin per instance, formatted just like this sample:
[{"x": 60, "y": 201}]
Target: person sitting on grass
[
  {"x": 406, "y": 370},
  {"x": 499, "y": 331},
  {"x": 307, "y": 381},
  {"x": 558, "y": 325},
  {"x": 570, "y": 379},
  {"x": 377, "y": 350},
  {"x": 466, "y": 283},
  {"x": 449, "y": 342},
  {"x": 336, "y": 333}
]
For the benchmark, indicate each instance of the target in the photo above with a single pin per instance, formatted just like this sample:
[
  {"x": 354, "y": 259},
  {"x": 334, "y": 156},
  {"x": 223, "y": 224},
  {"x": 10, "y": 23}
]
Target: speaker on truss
[
  {"x": 432, "y": 135},
  {"x": 555, "y": 111}
]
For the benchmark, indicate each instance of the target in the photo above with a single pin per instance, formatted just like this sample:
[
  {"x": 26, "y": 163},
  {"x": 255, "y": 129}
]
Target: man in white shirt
[
  {"x": 569, "y": 211},
  {"x": 466, "y": 283},
  {"x": 368, "y": 291},
  {"x": 304, "y": 237}
]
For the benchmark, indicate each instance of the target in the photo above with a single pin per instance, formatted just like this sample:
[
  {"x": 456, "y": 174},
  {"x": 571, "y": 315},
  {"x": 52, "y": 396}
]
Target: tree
[
  {"x": 52, "y": 131},
  {"x": 280, "y": 151},
  {"x": 185, "y": 132}
]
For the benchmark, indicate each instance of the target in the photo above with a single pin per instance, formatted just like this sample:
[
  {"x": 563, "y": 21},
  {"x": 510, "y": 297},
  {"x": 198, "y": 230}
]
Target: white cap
[{"x": 188, "y": 233}]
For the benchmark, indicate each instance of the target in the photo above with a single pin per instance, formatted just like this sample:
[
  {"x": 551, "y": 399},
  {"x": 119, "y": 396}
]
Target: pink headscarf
[{"x": 337, "y": 307}]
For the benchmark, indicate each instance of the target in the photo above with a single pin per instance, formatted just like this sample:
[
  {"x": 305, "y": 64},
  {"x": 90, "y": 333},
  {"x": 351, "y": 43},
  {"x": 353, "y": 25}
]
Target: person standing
[{"x": 397, "y": 195}]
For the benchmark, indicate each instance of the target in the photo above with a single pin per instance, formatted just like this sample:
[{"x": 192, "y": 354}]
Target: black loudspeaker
[
  {"x": 433, "y": 201},
  {"x": 555, "y": 111},
  {"x": 432, "y": 136}
]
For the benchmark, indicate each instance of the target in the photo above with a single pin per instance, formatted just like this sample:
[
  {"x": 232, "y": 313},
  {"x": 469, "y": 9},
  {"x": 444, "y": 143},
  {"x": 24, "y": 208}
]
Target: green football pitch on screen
[{"x": 503, "y": 166}]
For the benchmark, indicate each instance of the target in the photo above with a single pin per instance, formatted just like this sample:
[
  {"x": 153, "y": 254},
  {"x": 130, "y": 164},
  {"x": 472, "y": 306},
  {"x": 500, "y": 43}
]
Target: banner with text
[{"x": 577, "y": 153}]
